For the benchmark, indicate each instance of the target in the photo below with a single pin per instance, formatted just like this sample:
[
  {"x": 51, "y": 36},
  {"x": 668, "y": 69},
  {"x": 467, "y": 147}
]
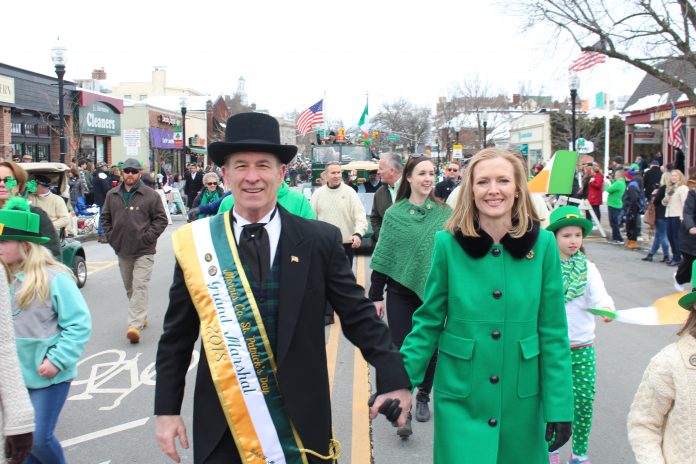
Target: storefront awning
[{"x": 198, "y": 151}]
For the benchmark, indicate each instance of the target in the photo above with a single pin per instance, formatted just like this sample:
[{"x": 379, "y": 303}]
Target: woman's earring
[{"x": 517, "y": 195}]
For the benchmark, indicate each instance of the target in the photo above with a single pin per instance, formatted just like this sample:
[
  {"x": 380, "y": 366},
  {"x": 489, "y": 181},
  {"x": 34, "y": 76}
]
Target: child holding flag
[
  {"x": 584, "y": 289},
  {"x": 662, "y": 419},
  {"x": 51, "y": 320}
]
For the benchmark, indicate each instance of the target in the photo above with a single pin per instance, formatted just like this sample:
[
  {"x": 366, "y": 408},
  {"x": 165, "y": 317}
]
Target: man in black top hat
[{"x": 290, "y": 268}]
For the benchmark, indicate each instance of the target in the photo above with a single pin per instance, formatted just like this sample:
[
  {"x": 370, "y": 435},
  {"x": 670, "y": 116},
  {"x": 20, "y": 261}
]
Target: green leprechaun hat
[
  {"x": 569, "y": 216},
  {"x": 17, "y": 222},
  {"x": 688, "y": 300}
]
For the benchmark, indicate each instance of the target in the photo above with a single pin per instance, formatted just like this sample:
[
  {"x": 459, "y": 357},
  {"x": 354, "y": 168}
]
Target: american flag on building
[
  {"x": 675, "y": 128},
  {"x": 588, "y": 59},
  {"x": 310, "y": 117}
]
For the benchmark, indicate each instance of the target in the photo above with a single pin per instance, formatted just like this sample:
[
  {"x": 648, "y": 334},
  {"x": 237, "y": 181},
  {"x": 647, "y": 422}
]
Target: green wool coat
[{"x": 496, "y": 314}]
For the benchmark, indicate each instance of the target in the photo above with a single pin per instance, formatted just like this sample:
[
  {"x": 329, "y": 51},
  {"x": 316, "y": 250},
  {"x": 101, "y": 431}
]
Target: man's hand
[
  {"x": 47, "y": 369},
  {"x": 356, "y": 241},
  {"x": 692, "y": 231},
  {"x": 168, "y": 428},
  {"x": 386, "y": 399},
  {"x": 562, "y": 431},
  {"x": 193, "y": 214},
  {"x": 17, "y": 447},
  {"x": 379, "y": 307}
]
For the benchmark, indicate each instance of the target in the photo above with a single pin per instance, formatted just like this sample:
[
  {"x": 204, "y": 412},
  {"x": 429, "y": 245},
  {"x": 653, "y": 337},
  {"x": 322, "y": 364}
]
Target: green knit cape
[{"x": 405, "y": 247}]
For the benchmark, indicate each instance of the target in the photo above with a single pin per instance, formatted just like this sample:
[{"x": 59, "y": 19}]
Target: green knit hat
[
  {"x": 569, "y": 216},
  {"x": 17, "y": 222},
  {"x": 688, "y": 300}
]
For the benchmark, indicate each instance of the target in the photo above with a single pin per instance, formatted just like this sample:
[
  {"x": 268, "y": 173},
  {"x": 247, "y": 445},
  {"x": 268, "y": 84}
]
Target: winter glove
[
  {"x": 390, "y": 408},
  {"x": 17, "y": 447},
  {"x": 193, "y": 214},
  {"x": 562, "y": 431}
]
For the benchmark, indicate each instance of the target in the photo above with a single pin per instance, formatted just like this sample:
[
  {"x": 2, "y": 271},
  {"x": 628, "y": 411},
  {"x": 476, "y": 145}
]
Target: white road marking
[{"x": 104, "y": 432}]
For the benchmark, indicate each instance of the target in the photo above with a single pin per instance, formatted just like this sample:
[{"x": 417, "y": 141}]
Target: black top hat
[{"x": 251, "y": 132}]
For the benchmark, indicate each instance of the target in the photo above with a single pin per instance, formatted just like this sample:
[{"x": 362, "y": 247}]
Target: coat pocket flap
[
  {"x": 456, "y": 346},
  {"x": 530, "y": 346}
]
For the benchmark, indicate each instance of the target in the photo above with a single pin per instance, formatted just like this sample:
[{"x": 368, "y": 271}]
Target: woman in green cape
[{"x": 402, "y": 258}]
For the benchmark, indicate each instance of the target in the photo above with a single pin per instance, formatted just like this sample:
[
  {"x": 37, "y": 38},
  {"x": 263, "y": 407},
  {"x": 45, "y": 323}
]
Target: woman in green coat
[{"x": 493, "y": 307}]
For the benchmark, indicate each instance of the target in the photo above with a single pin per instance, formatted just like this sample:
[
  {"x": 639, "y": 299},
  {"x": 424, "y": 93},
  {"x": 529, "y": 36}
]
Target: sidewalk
[{"x": 644, "y": 240}]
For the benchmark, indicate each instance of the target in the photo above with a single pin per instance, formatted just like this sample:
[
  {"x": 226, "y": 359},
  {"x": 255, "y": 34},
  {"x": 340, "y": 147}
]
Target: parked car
[{"x": 73, "y": 253}]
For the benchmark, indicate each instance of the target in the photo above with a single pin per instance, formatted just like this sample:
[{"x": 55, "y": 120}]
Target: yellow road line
[
  {"x": 361, "y": 445},
  {"x": 94, "y": 267},
  {"x": 332, "y": 352}
]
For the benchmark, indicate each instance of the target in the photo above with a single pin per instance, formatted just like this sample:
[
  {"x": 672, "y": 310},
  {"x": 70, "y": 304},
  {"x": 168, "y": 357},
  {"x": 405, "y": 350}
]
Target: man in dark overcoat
[{"x": 307, "y": 268}]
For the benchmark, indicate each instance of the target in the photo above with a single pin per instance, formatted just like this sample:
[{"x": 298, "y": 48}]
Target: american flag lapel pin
[{"x": 294, "y": 259}]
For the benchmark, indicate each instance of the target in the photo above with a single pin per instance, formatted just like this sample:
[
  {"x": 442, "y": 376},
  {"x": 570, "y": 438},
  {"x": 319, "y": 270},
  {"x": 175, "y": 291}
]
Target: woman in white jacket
[
  {"x": 674, "y": 200},
  {"x": 662, "y": 420},
  {"x": 16, "y": 412}
]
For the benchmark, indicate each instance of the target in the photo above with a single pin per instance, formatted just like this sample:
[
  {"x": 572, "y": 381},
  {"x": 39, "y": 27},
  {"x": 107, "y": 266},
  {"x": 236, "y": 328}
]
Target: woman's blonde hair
[
  {"x": 36, "y": 259},
  {"x": 465, "y": 214},
  {"x": 682, "y": 179},
  {"x": 664, "y": 180}
]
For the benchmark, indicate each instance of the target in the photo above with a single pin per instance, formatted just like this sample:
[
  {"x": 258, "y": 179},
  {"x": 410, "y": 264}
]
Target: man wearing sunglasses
[
  {"x": 133, "y": 218},
  {"x": 444, "y": 188}
]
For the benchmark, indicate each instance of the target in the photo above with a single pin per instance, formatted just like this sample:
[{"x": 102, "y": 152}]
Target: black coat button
[
  {"x": 495, "y": 335},
  {"x": 492, "y": 422},
  {"x": 495, "y": 379},
  {"x": 262, "y": 300},
  {"x": 496, "y": 252},
  {"x": 497, "y": 294}
]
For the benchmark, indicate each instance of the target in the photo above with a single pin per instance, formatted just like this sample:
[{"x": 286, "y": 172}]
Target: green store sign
[{"x": 99, "y": 119}]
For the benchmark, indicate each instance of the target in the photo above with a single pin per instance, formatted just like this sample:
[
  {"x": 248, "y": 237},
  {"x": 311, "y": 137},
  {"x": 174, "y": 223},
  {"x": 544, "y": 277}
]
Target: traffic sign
[
  {"x": 457, "y": 151},
  {"x": 394, "y": 138}
]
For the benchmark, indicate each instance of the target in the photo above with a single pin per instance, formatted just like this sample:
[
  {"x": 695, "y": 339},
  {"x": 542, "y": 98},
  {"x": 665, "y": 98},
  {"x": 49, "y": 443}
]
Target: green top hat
[
  {"x": 17, "y": 222},
  {"x": 569, "y": 216},
  {"x": 688, "y": 300}
]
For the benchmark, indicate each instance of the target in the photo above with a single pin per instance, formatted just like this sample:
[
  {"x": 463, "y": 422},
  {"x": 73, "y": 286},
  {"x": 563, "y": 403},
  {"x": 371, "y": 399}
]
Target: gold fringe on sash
[{"x": 335, "y": 451}]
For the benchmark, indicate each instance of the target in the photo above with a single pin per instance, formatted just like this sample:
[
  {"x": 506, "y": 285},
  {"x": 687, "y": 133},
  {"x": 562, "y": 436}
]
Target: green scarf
[
  {"x": 574, "y": 270},
  {"x": 209, "y": 197},
  {"x": 405, "y": 247}
]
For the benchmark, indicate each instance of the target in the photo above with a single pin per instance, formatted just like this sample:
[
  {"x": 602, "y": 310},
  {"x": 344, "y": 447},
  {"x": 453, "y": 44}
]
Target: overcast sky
[{"x": 291, "y": 52}]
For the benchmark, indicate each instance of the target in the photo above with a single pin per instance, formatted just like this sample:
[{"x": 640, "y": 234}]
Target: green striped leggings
[{"x": 583, "y": 360}]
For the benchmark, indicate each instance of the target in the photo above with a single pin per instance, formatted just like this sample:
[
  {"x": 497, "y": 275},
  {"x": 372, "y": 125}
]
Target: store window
[
  {"x": 30, "y": 130},
  {"x": 17, "y": 149},
  {"x": 43, "y": 152},
  {"x": 31, "y": 150},
  {"x": 87, "y": 147},
  {"x": 101, "y": 149},
  {"x": 143, "y": 97},
  {"x": 128, "y": 97},
  {"x": 43, "y": 130},
  {"x": 16, "y": 128}
]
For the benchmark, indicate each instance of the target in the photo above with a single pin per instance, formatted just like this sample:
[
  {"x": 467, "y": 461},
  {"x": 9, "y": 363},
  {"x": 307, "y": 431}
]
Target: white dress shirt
[{"x": 272, "y": 228}]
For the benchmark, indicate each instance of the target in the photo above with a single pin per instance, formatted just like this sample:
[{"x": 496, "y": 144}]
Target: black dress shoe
[
  {"x": 665, "y": 259},
  {"x": 328, "y": 319},
  {"x": 405, "y": 430},
  {"x": 674, "y": 263},
  {"x": 422, "y": 409},
  {"x": 647, "y": 258}
]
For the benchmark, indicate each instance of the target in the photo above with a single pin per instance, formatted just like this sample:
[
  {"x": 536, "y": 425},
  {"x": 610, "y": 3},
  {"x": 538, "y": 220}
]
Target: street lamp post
[
  {"x": 183, "y": 102},
  {"x": 485, "y": 127},
  {"x": 59, "y": 57},
  {"x": 574, "y": 84}
]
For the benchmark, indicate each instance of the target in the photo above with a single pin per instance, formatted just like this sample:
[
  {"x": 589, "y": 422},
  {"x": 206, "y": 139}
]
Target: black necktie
[{"x": 255, "y": 250}]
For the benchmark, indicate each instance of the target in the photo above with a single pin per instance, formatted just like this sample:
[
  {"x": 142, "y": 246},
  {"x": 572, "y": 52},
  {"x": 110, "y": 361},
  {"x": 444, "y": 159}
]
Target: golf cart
[{"x": 73, "y": 254}]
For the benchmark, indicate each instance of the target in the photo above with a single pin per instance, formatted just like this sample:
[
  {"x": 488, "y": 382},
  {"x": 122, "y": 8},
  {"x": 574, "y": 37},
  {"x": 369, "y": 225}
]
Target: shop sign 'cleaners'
[{"x": 99, "y": 119}]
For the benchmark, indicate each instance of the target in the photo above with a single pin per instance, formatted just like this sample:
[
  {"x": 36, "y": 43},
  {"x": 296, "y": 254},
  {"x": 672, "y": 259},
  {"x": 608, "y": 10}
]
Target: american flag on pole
[
  {"x": 588, "y": 59},
  {"x": 675, "y": 127},
  {"x": 311, "y": 116}
]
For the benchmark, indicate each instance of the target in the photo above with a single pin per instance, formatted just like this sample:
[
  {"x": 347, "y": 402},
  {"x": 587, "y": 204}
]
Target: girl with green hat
[
  {"x": 51, "y": 320},
  {"x": 662, "y": 419},
  {"x": 584, "y": 289}
]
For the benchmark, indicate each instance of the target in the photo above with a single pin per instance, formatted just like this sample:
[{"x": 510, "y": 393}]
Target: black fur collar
[{"x": 477, "y": 247}]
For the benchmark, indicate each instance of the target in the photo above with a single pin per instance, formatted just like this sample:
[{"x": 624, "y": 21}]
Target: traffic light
[{"x": 375, "y": 134}]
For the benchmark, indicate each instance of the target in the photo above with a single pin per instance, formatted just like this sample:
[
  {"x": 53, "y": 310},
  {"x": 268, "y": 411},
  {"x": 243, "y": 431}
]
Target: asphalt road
[{"x": 108, "y": 415}]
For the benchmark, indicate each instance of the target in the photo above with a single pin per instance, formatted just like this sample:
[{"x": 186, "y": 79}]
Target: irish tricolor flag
[
  {"x": 664, "y": 311},
  {"x": 557, "y": 176},
  {"x": 362, "y": 124}
]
